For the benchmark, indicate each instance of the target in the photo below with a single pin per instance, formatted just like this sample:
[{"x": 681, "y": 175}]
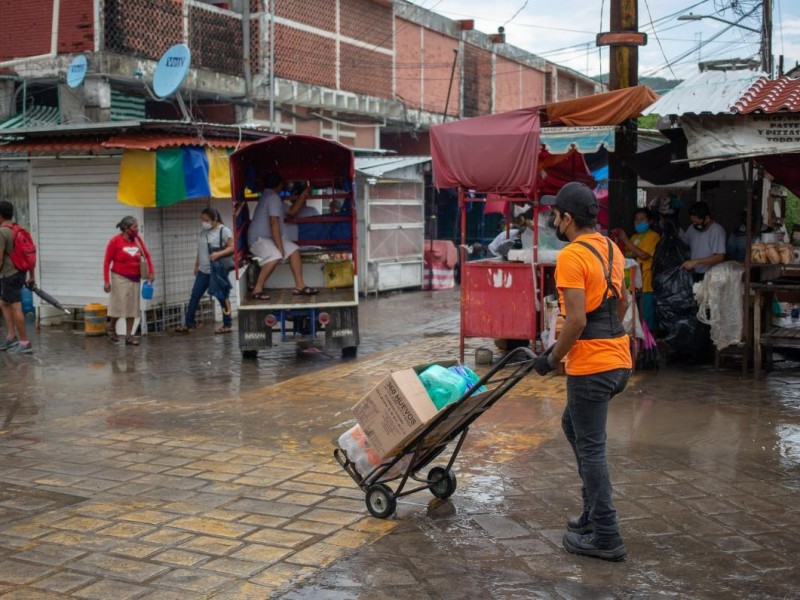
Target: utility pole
[
  {"x": 623, "y": 40},
  {"x": 766, "y": 37}
]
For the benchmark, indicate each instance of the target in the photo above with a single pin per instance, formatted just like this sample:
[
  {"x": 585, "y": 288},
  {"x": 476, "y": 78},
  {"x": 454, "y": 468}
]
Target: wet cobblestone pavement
[{"x": 177, "y": 470}]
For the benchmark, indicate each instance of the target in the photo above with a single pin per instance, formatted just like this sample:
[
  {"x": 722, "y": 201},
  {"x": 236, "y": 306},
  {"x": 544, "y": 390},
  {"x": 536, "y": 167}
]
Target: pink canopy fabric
[{"x": 495, "y": 153}]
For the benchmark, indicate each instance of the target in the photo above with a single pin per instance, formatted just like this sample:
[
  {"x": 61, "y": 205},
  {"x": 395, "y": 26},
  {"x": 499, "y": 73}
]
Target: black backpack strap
[{"x": 606, "y": 272}]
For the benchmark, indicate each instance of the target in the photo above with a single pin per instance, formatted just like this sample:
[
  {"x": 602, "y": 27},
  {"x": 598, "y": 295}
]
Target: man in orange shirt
[{"x": 589, "y": 277}]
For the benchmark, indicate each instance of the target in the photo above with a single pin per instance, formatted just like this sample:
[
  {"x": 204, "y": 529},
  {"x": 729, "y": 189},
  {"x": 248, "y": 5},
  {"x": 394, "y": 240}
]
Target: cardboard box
[{"x": 394, "y": 410}]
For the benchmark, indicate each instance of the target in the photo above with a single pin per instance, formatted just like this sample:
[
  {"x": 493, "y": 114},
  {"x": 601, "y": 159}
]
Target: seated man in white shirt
[{"x": 267, "y": 239}]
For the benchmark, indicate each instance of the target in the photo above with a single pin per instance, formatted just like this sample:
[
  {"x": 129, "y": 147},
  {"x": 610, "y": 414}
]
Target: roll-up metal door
[{"x": 74, "y": 224}]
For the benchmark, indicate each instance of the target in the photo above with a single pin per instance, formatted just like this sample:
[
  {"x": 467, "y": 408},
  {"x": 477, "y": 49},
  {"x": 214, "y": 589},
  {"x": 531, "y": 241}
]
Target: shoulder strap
[{"x": 606, "y": 271}]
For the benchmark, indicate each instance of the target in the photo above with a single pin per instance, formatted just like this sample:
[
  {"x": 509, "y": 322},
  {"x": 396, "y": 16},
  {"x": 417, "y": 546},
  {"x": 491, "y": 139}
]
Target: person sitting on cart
[
  {"x": 590, "y": 280},
  {"x": 267, "y": 239}
]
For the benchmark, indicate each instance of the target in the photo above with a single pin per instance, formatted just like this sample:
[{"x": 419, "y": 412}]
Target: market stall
[
  {"x": 502, "y": 155},
  {"x": 742, "y": 118}
]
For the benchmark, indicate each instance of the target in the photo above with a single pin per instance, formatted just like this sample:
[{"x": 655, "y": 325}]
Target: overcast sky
[{"x": 563, "y": 31}]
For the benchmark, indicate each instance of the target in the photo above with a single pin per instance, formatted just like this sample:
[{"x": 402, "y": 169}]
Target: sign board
[
  {"x": 171, "y": 70},
  {"x": 77, "y": 71},
  {"x": 725, "y": 137}
]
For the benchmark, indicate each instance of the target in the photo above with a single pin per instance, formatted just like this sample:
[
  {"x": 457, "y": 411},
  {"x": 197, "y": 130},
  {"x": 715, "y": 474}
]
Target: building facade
[{"x": 371, "y": 74}]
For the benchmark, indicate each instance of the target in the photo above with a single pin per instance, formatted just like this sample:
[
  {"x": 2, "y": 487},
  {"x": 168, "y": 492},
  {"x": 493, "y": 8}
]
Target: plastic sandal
[
  {"x": 260, "y": 296},
  {"x": 306, "y": 291},
  {"x": 181, "y": 329},
  {"x": 131, "y": 341},
  {"x": 223, "y": 330}
]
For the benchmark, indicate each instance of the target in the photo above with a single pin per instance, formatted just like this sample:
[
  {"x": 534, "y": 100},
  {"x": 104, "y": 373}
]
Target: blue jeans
[
  {"x": 199, "y": 288},
  {"x": 584, "y": 424}
]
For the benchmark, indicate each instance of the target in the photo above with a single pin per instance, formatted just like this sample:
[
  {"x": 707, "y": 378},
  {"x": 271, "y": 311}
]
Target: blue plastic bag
[
  {"x": 147, "y": 291},
  {"x": 469, "y": 375}
]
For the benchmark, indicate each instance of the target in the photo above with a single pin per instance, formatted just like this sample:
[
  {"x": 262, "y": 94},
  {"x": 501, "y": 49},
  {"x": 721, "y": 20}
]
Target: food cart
[{"x": 497, "y": 297}]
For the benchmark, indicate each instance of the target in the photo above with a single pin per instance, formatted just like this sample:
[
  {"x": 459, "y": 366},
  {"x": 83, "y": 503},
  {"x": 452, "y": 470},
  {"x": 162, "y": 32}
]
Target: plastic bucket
[{"x": 94, "y": 319}]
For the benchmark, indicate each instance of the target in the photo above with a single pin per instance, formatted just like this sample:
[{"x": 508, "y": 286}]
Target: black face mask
[{"x": 562, "y": 237}]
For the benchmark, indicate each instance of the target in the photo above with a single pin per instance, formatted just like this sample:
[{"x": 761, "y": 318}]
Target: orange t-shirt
[{"x": 578, "y": 268}]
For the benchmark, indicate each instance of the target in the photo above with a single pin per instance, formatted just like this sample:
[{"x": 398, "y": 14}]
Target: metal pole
[
  {"x": 748, "y": 244},
  {"x": 246, "y": 49},
  {"x": 450, "y": 86},
  {"x": 271, "y": 64}
]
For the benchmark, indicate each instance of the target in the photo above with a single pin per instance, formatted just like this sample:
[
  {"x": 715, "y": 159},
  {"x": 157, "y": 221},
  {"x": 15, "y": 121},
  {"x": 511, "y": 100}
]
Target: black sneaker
[
  {"x": 581, "y": 525},
  {"x": 591, "y": 545}
]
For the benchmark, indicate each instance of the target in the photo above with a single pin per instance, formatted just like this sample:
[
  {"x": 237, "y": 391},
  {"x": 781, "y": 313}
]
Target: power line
[
  {"x": 647, "y": 5},
  {"x": 514, "y": 16}
]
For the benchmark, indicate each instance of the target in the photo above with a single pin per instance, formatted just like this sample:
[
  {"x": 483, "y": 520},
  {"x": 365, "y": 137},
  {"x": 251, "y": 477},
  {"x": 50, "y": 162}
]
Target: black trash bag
[
  {"x": 674, "y": 297},
  {"x": 671, "y": 251},
  {"x": 688, "y": 341}
]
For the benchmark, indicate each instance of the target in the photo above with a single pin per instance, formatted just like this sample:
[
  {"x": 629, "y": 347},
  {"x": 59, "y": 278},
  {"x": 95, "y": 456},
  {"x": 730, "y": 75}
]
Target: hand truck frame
[{"x": 450, "y": 423}]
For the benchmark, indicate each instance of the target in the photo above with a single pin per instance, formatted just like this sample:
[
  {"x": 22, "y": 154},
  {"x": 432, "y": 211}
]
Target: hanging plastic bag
[
  {"x": 671, "y": 251},
  {"x": 674, "y": 295}
]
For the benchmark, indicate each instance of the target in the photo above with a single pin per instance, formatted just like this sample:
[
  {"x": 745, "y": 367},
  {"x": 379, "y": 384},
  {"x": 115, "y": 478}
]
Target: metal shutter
[{"x": 74, "y": 224}]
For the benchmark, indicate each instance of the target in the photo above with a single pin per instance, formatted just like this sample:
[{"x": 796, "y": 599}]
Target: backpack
[{"x": 23, "y": 256}]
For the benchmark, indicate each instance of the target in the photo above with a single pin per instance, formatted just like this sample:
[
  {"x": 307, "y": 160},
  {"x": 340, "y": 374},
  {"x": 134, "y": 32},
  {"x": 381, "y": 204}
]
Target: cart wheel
[
  {"x": 349, "y": 351},
  {"x": 381, "y": 502},
  {"x": 442, "y": 482},
  {"x": 250, "y": 354}
]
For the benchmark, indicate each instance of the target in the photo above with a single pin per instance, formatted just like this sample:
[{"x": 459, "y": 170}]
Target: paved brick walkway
[{"x": 175, "y": 470}]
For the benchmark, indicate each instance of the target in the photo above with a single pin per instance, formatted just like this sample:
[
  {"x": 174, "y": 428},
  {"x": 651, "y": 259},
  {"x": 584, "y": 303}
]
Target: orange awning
[{"x": 609, "y": 108}]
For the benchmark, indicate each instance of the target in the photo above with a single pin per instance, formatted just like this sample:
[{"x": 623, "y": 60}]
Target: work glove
[{"x": 545, "y": 362}]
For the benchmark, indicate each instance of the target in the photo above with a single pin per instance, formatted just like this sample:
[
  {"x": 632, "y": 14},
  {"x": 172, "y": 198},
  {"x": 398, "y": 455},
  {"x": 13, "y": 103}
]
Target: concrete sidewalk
[{"x": 176, "y": 470}]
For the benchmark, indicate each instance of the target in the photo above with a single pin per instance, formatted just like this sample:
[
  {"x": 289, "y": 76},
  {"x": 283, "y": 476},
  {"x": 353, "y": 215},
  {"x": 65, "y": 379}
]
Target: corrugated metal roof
[
  {"x": 155, "y": 141},
  {"x": 51, "y": 146},
  {"x": 379, "y": 166},
  {"x": 103, "y": 143},
  {"x": 36, "y": 116},
  {"x": 770, "y": 96},
  {"x": 710, "y": 92}
]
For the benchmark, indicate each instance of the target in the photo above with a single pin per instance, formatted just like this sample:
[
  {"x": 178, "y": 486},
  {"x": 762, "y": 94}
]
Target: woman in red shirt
[{"x": 122, "y": 272}]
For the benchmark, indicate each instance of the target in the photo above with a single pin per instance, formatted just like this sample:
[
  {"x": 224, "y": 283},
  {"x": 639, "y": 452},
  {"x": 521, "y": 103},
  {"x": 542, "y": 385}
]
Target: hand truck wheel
[
  {"x": 381, "y": 502},
  {"x": 442, "y": 483}
]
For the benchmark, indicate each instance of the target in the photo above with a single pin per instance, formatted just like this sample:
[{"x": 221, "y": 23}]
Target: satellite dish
[
  {"x": 77, "y": 71},
  {"x": 171, "y": 70}
]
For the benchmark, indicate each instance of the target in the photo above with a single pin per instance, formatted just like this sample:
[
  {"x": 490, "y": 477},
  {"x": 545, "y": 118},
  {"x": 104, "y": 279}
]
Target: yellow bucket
[{"x": 94, "y": 319}]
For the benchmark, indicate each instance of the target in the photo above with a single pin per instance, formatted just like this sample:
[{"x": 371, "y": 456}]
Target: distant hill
[{"x": 658, "y": 84}]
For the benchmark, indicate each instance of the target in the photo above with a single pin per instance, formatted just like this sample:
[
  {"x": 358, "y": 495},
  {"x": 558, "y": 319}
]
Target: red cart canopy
[
  {"x": 294, "y": 157},
  {"x": 495, "y": 153}
]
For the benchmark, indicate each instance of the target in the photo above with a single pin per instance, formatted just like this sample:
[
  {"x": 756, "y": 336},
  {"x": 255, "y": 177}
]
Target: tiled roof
[{"x": 770, "y": 96}]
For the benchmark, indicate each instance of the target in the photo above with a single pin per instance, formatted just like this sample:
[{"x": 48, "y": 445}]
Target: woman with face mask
[
  {"x": 642, "y": 246},
  {"x": 122, "y": 272},
  {"x": 214, "y": 242}
]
